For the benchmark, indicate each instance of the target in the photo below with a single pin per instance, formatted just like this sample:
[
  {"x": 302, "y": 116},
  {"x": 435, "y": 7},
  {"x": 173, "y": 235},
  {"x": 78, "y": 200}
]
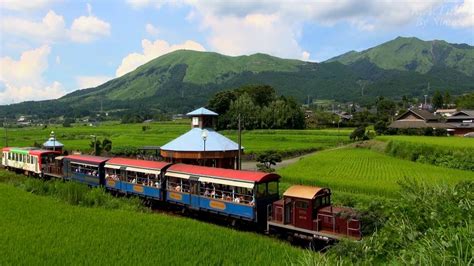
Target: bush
[
  {"x": 440, "y": 132},
  {"x": 358, "y": 134},
  {"x": 428, "y": 225}
]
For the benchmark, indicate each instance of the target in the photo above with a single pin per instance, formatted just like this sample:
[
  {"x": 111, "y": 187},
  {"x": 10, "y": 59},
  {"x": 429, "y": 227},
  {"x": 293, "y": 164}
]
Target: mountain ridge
[
  {"x": 182, "y": 80},
  {"x": 414, "y": 54}
]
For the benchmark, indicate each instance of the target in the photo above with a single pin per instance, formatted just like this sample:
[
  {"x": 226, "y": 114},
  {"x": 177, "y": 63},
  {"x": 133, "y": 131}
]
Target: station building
[{"x": 202, "y": 145}]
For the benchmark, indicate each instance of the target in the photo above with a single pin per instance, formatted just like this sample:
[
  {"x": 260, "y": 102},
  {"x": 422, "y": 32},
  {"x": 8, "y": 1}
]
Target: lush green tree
[
  {"x": 437, "y": 100},
  {"x": 358, "y": 133},
  {"x": 385, "y": 109},
  {"x": 405, "y": 101},
  {"x": 220, "y": 102},
  {"x": 67, "y": 122},
  {"x": 107, "y": 145},
  {"x": 465, "y": 101},
  {"x": 262, "y": 95},
  {"x": 380, "y": 127},
  {"x": 447, "y": 99},
  {"x": 249, "y": 113},
  {"x": 267, "y": 159},
  {"x": 96, "y": 146}
]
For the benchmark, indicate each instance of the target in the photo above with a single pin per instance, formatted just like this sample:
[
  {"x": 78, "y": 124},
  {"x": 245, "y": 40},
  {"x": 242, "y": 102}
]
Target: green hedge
[{"x": 451, "y": 157}]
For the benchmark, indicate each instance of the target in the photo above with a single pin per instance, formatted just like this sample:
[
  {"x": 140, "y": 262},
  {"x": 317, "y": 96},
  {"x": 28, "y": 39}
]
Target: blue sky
[{"x": 52, "y": 47}]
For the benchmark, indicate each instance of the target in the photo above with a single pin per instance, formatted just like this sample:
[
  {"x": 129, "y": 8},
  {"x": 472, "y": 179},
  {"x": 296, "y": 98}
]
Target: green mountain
[
  {"x": 182, "y": 80},
  {"x": 413, "y": 54}
]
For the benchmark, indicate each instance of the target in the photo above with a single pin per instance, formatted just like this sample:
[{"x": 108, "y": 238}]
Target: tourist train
[{"x": 249, "y": 197}]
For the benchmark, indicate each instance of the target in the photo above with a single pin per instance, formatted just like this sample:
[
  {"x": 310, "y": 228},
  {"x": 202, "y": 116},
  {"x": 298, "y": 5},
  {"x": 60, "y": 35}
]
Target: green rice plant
[
  {"x": 362, "y": 171},
  {"x": 127, "y": 138},
  {"x": 39, "y": 230}
]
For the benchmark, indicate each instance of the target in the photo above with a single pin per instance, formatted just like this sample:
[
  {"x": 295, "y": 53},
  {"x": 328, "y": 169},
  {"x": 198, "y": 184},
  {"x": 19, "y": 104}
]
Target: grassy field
[
  {"x": 37, "y": 230},
  {"x": 79, "y": 137},
  {"x": 362, "y": 171},
  {"x": 451, "y": 142}
]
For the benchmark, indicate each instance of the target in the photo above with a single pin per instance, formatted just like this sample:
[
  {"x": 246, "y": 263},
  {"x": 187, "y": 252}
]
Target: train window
[
  {"x": 85, "y": 169},
  {"x": 326, "y": 201},
  {"x": 261, "y": 190},
  {"x": 301, "y": 204},
  {"x": 272, "y": 188}
]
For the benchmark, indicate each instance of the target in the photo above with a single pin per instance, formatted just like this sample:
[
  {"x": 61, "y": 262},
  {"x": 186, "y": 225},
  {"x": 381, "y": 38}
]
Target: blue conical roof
[
  {"x": 201, "y": 111},
  {"x": 193, "y": 141}
]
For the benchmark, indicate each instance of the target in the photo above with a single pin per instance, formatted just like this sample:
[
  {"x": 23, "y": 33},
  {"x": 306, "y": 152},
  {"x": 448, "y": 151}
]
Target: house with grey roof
[
  {"x": 459, "y": 123},
  {"x": 417, "y": 118}
]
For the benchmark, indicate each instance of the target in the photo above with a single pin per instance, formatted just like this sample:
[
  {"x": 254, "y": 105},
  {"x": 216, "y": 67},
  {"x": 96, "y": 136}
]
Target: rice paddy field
[
  {"x": 157, "y": 134},
  {"x": 39, "y": 230},
  {"x": 450, "y": 142},
  {"x": 366, "y": 172}
]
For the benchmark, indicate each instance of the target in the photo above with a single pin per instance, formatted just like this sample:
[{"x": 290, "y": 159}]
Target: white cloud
[
  {"x": 252, "y": 34},
  {"x": 52, "y": 28},
  {"x": 91, "y": 81},
  {"x": 58, "y": 60},
  {"x": 275, "y": 26},
  {"x": 151, "y": 50},
  {"x": 138, "y": 4},
  {"x": 87, "y": 29},
  {"x": 22, "y": 79},
  {"x": 355, "y": 12},
  {"x": 461, "y": 16},
  {"x": 152, "y": 30},
  {"x": 305, "y": 56},
  {"x": 29, "y": 5}
]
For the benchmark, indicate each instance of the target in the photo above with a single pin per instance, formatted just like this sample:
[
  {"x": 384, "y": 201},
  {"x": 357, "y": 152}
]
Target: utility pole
[
  {"x": 6, "y": 134},
  {"x": 95, "y": 144},
  {"x": 239, "y": 163}
]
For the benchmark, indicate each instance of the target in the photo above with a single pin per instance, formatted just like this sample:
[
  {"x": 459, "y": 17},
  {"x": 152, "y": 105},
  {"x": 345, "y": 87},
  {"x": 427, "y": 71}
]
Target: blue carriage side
[
  {"x": 240, "y": 194},
  {"x": 85, "y": 169},
  {"x": 138, "y": 177}
]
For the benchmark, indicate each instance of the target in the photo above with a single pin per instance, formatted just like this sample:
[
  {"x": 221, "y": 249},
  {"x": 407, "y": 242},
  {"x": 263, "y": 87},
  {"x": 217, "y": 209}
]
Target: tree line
[{"x": 259, "y": 107}]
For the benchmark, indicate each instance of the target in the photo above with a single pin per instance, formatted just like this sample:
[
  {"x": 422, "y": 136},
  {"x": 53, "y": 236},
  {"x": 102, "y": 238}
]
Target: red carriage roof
[
  {"x": 138, "y": 163},
  {"x": 31, "y": 151},
  {"x": 40, "y": 152},
  {"x": 253, "y": 176},
  {"x": 87, "y": 158}
]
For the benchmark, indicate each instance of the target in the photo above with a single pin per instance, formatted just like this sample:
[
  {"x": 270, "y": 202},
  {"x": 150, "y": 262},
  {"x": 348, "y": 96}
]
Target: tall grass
[
  {"x": 72, "y": 193},
  {"x": 427, "y": 225}
]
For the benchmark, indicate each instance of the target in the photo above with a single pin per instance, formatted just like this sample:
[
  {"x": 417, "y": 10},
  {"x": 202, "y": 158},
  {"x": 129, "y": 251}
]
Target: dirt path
[{"x": 252, "y": 165}]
